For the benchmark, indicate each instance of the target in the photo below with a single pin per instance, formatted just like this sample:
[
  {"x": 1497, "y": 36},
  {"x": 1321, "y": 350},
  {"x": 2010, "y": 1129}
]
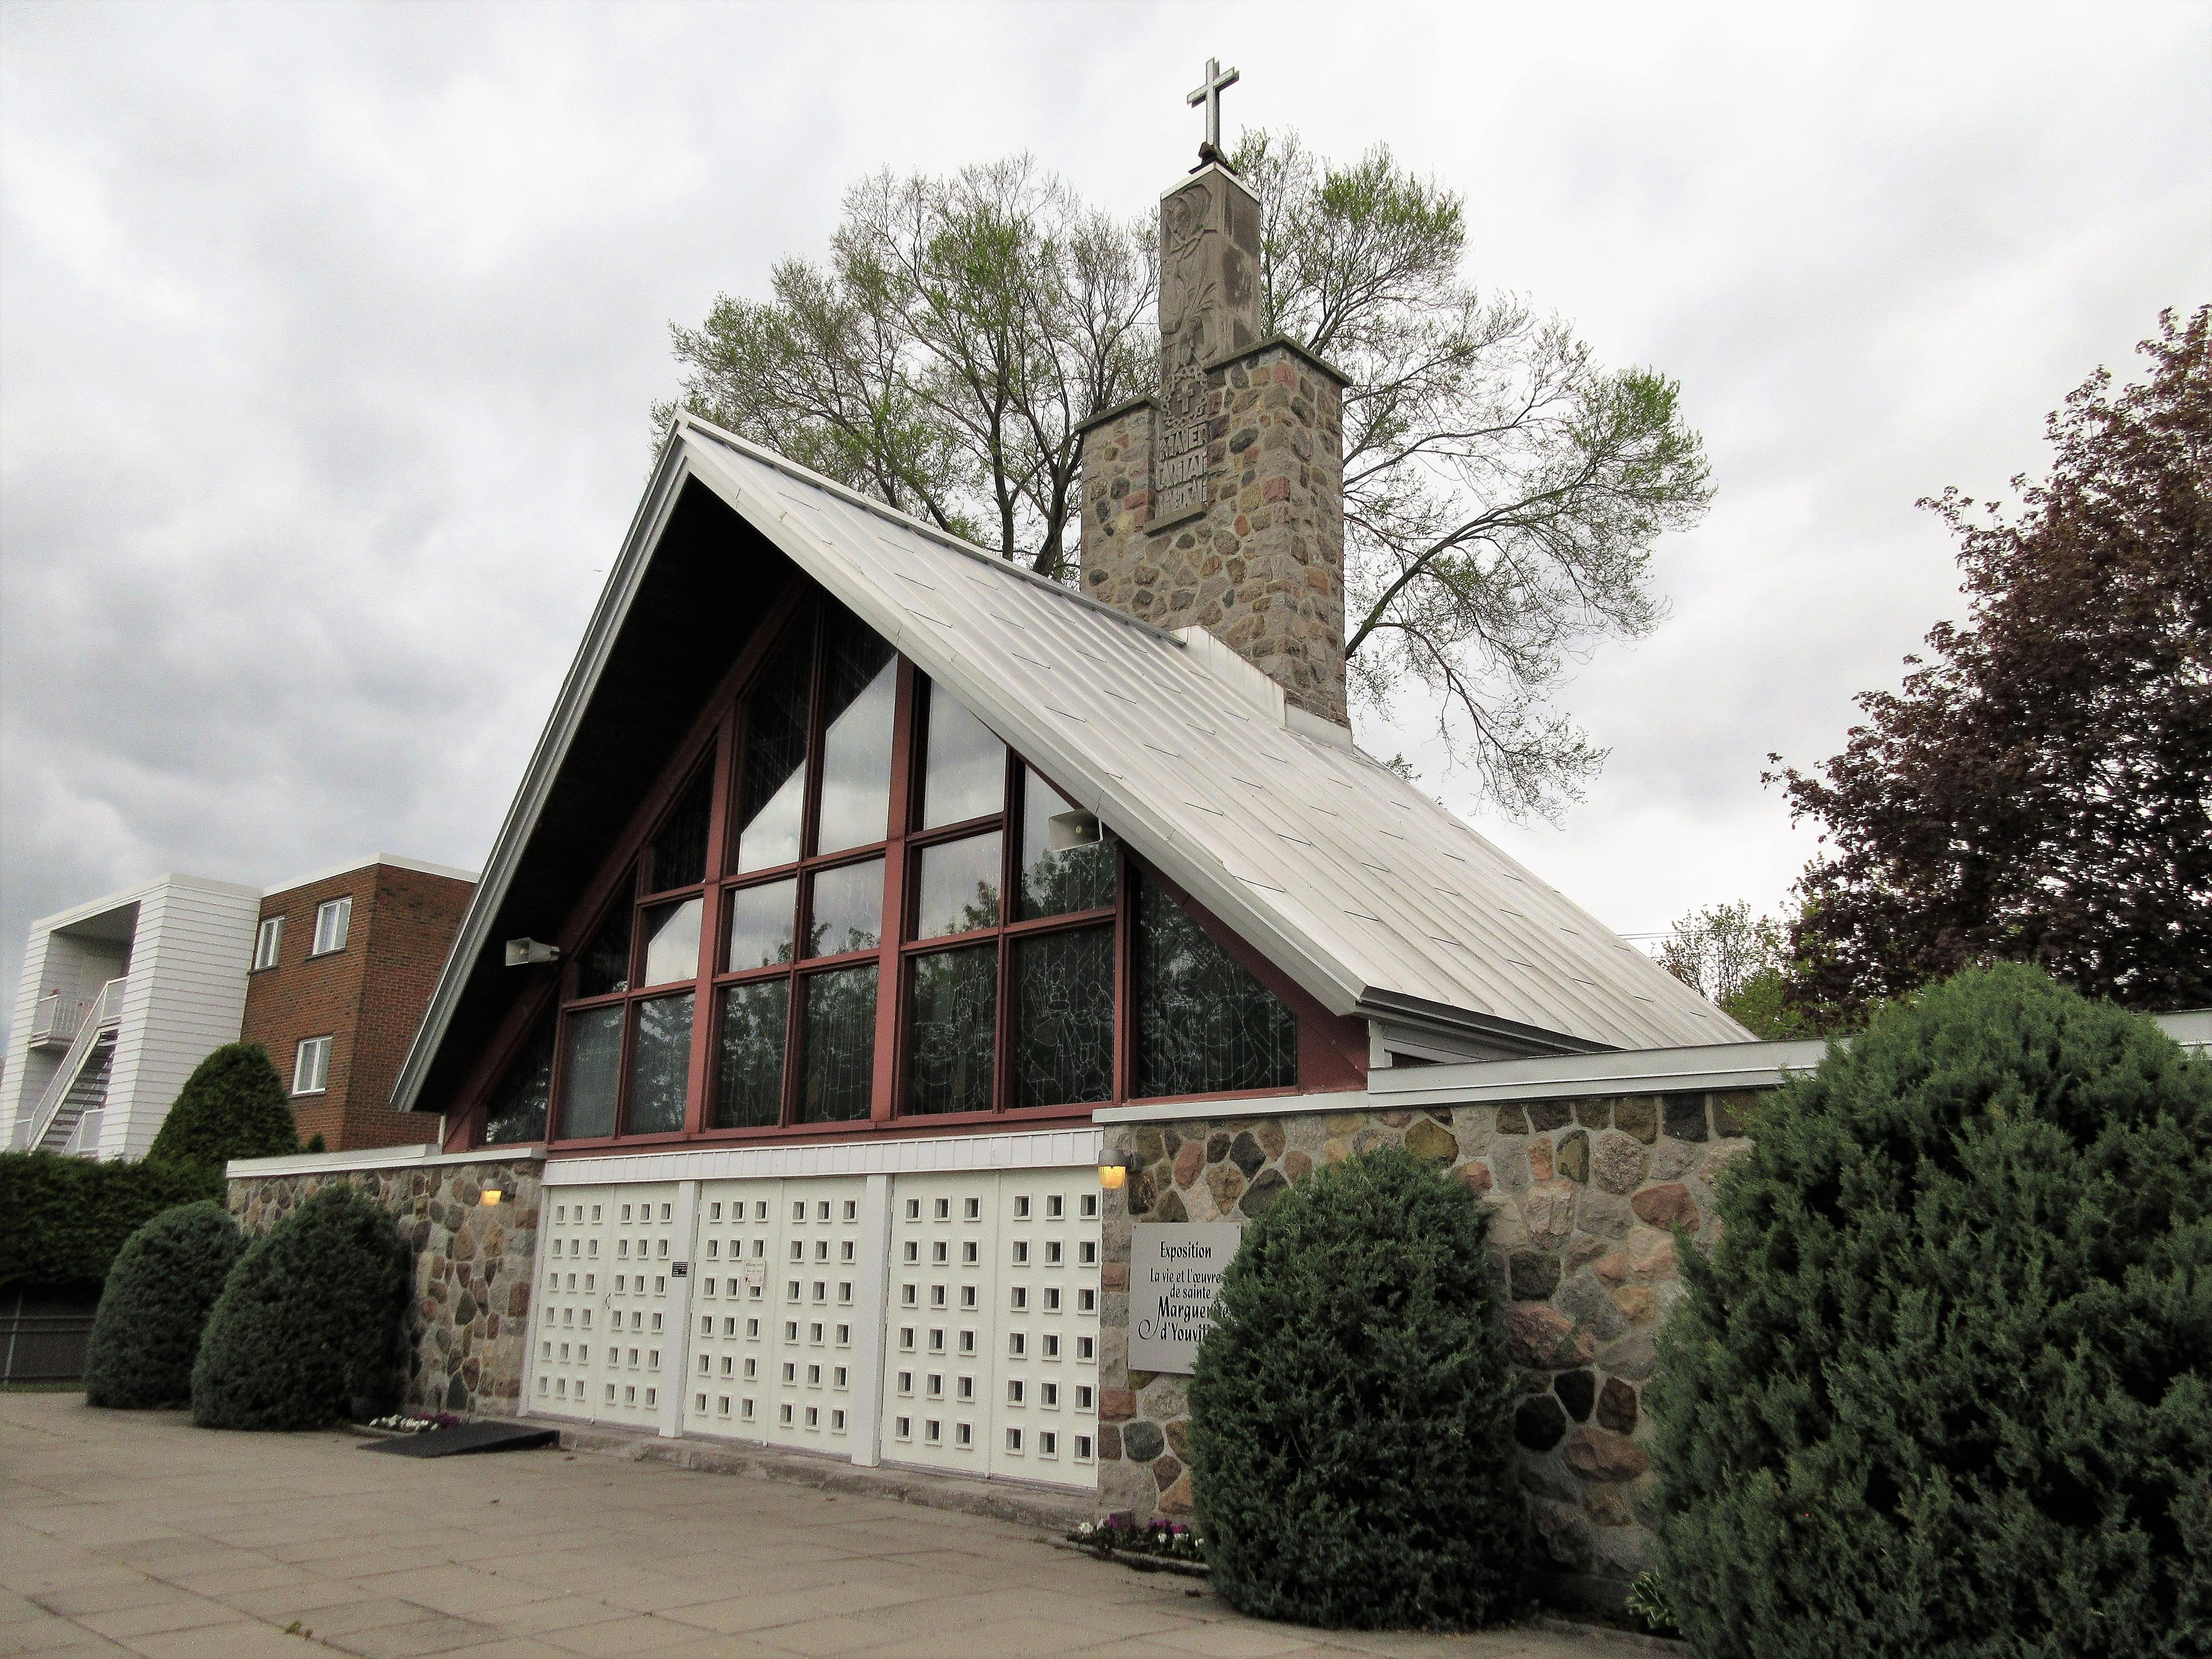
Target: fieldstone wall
[
  {"x": 468, "y": 1325},
  {"x": 1585, "y": 1195},
  {"x": 1261, "y": 568}
]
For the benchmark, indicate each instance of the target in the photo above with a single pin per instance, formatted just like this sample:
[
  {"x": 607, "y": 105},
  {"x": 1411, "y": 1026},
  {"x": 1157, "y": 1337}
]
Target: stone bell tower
[{"x": 1217, "y": 500}]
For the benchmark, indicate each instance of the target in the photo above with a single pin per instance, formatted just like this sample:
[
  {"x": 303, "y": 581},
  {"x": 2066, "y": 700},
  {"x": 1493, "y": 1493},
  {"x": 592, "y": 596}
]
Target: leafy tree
[
  {"x": 1351, "y": 1455},
  {"x": 306, "y": 1329},
  {"x": 147, "y": 1332},
  {"x": 1940, "y": 1389},
  {"x": 1503, "y": 491},
  {"x": 234, "y": 1105},
  {"x": 1738, "y": 961},
  {"x": 2041, "y": 789}
]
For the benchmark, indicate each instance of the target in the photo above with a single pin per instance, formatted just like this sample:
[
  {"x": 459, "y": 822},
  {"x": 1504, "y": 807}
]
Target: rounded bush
[
  {"x": 1351, "y": 1436},
  {"x": 232, "y": 1105},
  {"x": 154, "y": 1305},
  {"x": 1943, "y": 1389},
  {"x": 306, "y": 1329}
]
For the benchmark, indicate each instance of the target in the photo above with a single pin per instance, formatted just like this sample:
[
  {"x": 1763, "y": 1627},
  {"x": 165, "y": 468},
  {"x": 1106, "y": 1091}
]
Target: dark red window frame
[{"x": 1331, "y": 1050}]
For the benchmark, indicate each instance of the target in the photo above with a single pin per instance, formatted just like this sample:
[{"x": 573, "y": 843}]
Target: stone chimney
[{"x": 1217, "y": 501}]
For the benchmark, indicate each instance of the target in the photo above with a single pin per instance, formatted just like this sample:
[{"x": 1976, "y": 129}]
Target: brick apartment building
[{"x": 343, "y": 963}]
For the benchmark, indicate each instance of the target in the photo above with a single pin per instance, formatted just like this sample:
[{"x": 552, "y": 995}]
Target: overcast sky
[{"x": 327, "y": 335}]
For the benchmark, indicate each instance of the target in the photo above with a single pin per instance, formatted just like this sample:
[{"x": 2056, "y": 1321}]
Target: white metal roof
[
  {"x": 1358, "y": 886},
  {"x": 1371, "y": 896}
]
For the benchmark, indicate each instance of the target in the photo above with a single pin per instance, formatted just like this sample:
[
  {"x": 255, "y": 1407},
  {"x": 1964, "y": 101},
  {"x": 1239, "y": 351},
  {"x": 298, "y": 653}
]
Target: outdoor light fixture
[
  {"x": 490, "y": 1195},
  {"x": 1068, "y": 830},
  {"x": 1114, "y": 1175},
  {"x": 527, "y": 953}
]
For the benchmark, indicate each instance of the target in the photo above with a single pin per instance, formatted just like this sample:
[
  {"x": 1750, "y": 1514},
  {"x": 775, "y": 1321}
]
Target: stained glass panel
[
  {"x": 672, "y": 942},
  {"x": 1057, "y": 881},
  {"x": 659, "y": 1066},
  {"x": 952, "y": 1030},
  {"x": 1205, "y": 1025},
  {"x": 604, "y": 966},
  {"x": 591, "y": 1069},
  {"x": 679, "y": 851},
  {"x": 958, "y": 889},
  {"x": 860, "y": 694},
  {"x": 516, "y": 1110},
  {"x": 964, "y": 775},
  {"x": 1063, "y": 1034},
  {"x": 848, "y": 908},
  {"x": 749, "y": 1074},
  {"x": 837, "y": 1073},
  {"x": 760, "y": 925},
  {"x": 772, "y": 782}
]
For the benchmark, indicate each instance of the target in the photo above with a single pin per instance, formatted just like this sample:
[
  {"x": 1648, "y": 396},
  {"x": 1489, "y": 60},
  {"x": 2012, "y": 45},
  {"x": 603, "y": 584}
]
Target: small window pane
[
  {"x": 760, "y": 925},
  {"x": 679, "y": 851},
  {"x": 594, "y": 1064},
  {"x": 517, "y": 1110},
  {"x": 1205, "y": 1025},
  {"x": 958, "y": 889},
  {"x": 848, "y": 908},
  {"x": 955, "y": 1015},
  {"x": 965, "y": 775},
  {"x": 672, "y": 942},
  {"x": 660, "y": 1066},
  {"x": 604, "y": 966},
  {"x": 1076, "y": 878},
  {"x": 838, "y": 1073},
  {"x": 749, "y": 1074},
  {"x": 1063, "y": 1037},
  {"x": 772, "y": 787},
  {"x": 860, "y": 693}
]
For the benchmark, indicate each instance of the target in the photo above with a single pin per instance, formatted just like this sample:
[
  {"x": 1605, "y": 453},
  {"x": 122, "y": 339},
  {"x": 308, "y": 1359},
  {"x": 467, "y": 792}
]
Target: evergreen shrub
[
  {"x": 147, "y": 1333},
  {"x": 306, "y": 1332},
  {"x": 63, "y": 1219},
  {"x": 1350, "y": 1437},
  {"x": 234, "y": 1105},
  {"x": 1944, "y": 1386}
]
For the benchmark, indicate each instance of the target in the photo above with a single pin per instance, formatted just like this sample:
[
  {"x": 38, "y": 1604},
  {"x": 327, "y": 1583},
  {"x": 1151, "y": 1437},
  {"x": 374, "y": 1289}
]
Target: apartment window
[
  {"x": 333, "y": 918},
  {"x": 267, "y": 942},
  {"x": 311, "y": 1068}
]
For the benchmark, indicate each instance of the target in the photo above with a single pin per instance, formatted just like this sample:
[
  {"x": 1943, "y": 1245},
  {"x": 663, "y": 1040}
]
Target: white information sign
[{"x": 1175, "y": 1273}]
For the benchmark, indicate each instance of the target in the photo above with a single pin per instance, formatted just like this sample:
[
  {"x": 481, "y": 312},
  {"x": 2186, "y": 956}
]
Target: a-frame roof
[{"x": 1368, "y": 894}]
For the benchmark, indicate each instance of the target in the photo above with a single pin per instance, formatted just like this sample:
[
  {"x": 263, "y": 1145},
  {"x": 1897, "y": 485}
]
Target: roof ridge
[{"x": 846, "y": 493}]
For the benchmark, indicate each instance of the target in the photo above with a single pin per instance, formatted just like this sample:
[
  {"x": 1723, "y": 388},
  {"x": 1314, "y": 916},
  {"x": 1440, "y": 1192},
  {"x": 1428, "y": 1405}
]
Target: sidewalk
[{"x": 133, "y": 1533}]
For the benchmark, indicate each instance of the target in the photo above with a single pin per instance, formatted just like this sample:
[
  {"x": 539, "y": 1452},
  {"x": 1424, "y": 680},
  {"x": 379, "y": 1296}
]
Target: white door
[{"x": 604, "y": 1346}]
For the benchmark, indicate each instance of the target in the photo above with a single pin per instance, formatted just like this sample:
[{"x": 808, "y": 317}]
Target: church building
[{"x": 884, "y": 937}]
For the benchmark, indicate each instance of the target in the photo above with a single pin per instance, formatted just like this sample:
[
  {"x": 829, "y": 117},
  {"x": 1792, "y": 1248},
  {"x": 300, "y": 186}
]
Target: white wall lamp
[{"x": 528, "y": 952}]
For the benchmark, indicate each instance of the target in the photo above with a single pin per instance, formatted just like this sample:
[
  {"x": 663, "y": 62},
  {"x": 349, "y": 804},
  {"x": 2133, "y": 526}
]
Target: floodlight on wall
[
  {"x": 1113, "y": 1173},
  {"x": 1073, "y": 829},
  {"x": 527, "y": 953}
]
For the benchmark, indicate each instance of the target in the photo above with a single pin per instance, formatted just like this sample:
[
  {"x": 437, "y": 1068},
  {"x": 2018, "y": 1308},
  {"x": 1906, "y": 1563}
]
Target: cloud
[{"x": 327, "y": 335}]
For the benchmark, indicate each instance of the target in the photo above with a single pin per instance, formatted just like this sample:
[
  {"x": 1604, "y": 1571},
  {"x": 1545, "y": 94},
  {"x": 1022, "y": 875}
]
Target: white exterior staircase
[{"x": 81, "y": 1085}]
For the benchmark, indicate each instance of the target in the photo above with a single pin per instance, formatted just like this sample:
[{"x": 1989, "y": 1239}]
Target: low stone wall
[
  {"x": 468, "y": 1325},
  {"x": 1584, "y": 1196}
]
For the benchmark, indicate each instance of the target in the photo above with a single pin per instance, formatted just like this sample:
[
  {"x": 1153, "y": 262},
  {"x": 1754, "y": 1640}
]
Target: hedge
[
  {"x": 1942, "y": 1388},
  {"x": 306, "y": 1332},
  {"x": 1351, "y": 1452},
  {"x": 63, "y": 1219},
  {"x": 147, "y": 1333}
]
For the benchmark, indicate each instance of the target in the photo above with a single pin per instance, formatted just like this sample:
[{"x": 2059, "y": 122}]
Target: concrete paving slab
[{"x": 133, "y": 1523}]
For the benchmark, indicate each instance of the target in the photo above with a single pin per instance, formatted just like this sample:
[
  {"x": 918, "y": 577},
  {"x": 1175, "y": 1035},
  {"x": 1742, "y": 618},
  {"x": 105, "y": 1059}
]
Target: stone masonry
[
  {"x": 468, "y": 1325},
  {"x": 1248, "y": 545},
  {"x": 1585, "y": 1196}
]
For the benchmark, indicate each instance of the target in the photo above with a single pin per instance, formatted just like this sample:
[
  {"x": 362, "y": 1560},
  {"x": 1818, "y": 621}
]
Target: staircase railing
[{"x": 106, "y": 1014}]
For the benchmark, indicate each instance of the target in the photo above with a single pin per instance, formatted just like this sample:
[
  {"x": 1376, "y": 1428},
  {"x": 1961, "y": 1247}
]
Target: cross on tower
[{"x": 1217, "y": 82}]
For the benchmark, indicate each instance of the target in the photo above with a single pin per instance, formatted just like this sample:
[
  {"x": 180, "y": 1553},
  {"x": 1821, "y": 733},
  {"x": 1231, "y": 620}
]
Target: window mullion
[{"x": 890, "y": 986}]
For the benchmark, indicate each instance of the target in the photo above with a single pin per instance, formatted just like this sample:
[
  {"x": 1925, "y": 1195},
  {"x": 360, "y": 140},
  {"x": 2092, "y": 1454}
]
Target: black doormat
[{"x": 465, "y": 1437}]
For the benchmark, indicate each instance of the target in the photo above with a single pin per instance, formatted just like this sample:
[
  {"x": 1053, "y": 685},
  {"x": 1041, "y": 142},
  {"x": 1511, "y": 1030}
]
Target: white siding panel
[{"x": 186, "y": 997}]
